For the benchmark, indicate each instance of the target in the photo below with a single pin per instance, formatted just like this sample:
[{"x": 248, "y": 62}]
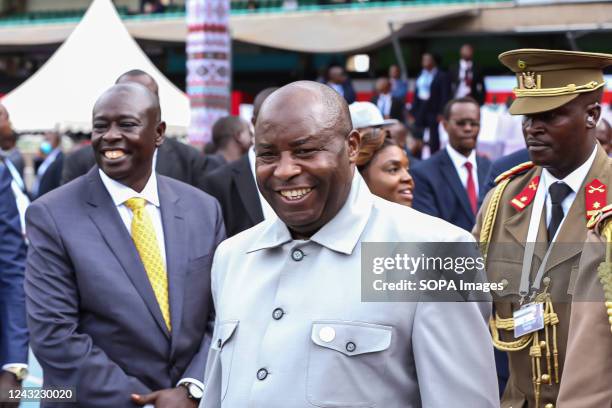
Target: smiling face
[
  {"x": 387, "y": 175},
  {"x": 306, "y": 151},
  {"x": 462, "y": 126},
  {"x": 560, "y": 139},
  {"x": 126, "y": 131}
]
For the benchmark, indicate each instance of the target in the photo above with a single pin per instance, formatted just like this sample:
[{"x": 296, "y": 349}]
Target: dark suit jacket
[
  {"x": 348, "y": 91},
  {"x": 94, "y": 319},
  {"x": 439, "y": 192},
  {"x": 478, "y": 90},
  {"x": 234, "y": 186},
  {"x": 398, "y": 108},
  {"x": 425, "y": 112},
  {"x": 51, "y": 178},
  {"x": 174, "y": 159},
  {"x": 500, "y": 165},
  {"x": 13, "y": 329}
]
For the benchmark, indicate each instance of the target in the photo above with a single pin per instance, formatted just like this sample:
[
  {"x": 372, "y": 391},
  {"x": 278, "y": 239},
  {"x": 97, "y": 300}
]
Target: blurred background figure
[
  {"x": 231, "y": 139},
  {"x": 431, "y": 94},
  {"x": 466, "y": 77},
  {"x": 48, "y": 165},
  {"x": 8, "y": 142},
  {"x": 447, "y": 184},
  {"x": 603, "y": 133},
  {"x": 381, "y": 161},
  {"x": 341, "y": 83},
  {"x": 389, "y": 106},
  {"x": 234, "y": 186},
  {"x": 404, "y": 139},
  {"x": 399, "y": 86}
]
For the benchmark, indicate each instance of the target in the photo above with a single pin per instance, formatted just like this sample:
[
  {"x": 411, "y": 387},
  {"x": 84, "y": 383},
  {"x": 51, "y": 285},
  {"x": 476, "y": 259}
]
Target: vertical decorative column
[{"x": 208, "y": 65}]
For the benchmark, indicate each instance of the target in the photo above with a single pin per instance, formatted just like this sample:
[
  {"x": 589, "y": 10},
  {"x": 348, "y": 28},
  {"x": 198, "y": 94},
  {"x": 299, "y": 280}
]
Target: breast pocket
[
  {"x": 346, "y": 363},
  {"x": 223, "y": 345}
]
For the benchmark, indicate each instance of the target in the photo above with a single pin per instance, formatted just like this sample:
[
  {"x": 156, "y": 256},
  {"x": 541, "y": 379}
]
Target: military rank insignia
[
  {"x": 525, "y": 197},
  {"x": 594, "y": 197}
]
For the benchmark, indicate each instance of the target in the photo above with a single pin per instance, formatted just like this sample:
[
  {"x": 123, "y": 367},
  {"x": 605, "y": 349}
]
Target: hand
[
  {"x": 8, "y": 381},
  {"x": 169, "y": 398}
]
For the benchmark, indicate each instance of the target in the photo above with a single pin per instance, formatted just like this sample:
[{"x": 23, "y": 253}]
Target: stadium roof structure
[{"x": 61, "y": 94}]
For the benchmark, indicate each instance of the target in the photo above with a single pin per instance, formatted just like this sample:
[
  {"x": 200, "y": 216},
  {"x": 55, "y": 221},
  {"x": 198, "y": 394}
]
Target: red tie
[{"x": 471, "y": 188}]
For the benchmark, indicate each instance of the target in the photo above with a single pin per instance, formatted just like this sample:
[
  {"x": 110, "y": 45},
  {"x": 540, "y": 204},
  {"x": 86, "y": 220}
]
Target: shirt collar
[
  {"x": 120, "y": 193},
  {"x": 575, "y": 178},
  {"x": 458, "y": 159},
  {"x": 341, "y": 234}
]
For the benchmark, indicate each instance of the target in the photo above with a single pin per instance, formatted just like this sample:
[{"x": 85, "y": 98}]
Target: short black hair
[
  {"x": 225, "y": 129},
  {"x": 449, "y": 105}
]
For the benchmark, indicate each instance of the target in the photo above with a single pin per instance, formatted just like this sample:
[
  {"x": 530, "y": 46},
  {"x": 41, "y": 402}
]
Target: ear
[
  {"x": 160, "y": 133},
  {"x": 593, "y": 113},
  {"x": 354, "y": 140},
  {"x": 445, "y": 124}
]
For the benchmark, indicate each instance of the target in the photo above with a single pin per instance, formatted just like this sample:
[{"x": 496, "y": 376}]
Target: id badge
[{"x": 528, "y": 319}]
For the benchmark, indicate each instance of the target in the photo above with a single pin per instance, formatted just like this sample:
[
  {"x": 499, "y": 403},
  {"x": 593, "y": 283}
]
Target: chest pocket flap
[
  {"x": 351, "y": 338},
  {"x": 224, "y": 332}
]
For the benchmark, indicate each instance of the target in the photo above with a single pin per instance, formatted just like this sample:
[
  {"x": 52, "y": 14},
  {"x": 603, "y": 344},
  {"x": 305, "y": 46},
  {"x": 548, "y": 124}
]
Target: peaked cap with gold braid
[{"x": 548, "y": 79}]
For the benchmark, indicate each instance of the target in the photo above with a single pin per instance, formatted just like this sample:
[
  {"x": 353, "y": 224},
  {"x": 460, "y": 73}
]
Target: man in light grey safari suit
[{"x": 291, "y": 328}]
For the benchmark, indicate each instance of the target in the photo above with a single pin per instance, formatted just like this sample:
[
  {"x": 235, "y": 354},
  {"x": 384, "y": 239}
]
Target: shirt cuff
[
  {"x": 191, "y": 381},
  {"x": 15, "y": 365}
]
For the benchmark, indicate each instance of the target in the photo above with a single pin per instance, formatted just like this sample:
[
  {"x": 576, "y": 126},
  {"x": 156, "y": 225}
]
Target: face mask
[{"x": 45, "y": 147}]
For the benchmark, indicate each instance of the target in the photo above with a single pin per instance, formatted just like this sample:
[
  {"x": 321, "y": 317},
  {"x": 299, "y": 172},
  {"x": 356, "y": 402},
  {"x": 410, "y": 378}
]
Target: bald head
[
  {"x": 318, "y": 102},
  {"x": 140, "y": 77},
  {"x": 259, "y": 100},
  {"x": 134, "y": 93}
]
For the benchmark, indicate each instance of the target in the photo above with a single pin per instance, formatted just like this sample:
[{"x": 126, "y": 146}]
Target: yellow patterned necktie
[{"x": 145, "y": 239}]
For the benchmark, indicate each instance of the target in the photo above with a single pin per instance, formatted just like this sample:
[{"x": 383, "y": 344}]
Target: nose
[
  {"x": 286, "y": 168},
  {"x": 531, "y": 125},
  {"x": 405, "y": 177},
  {"x": 112, "y": 134}
]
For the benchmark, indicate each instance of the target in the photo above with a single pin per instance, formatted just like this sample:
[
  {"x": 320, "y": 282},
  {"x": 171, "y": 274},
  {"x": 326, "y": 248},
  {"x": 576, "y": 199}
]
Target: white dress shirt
[
  {"x": 384, "y": 104},
  {"x": 120, "y": 193},
  {"x": 459, "y": 161},
  {"x": 267, "y": 211},
  {"x": 573, "y": 180},
  {"x": 463, "y": 89}
]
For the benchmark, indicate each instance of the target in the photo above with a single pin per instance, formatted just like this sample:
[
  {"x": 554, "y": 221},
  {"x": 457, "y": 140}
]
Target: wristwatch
[
  {"x": 194, "y": 392},
  {"x": 20, "y": 372}
]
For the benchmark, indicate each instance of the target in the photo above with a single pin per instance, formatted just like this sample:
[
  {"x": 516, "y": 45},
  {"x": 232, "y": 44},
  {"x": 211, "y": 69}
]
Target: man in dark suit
[
  {"x": 233, "y": 185},
  {"x": 432, "y": 93},
  {"x": 118, "y": 273},
  {"x": 173, "y": 158},
  {"x": 390, "y": 106},
  {"x": 447, "y": 184},
  {"x": 341, "y": 83},
  {"x": 13, "y": 329},
  {"x": 466, "y": 77},
  {"x": 49, "y": 166}
]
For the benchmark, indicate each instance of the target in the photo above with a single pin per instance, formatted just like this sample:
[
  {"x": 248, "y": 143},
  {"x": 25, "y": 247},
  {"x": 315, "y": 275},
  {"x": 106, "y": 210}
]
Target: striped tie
[{"x": 145, "y": 239}]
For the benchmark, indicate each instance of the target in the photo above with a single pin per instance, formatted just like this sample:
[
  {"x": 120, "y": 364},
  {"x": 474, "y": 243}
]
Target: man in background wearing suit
[
  {"x": 13, "y": 329},
  {"x": 118, "y": 272},
  {"x": 432, "y": 93},
  {"x": 390, "y": 106},
  {"x": 447, "y": 184},
  {"x": 49, "y": 166},
  {"x": 466, "y": 78},
  {"x": 341, "y": 83},
  {"x": 173, "y": 158},
  {"x": 233, "y": 185}
]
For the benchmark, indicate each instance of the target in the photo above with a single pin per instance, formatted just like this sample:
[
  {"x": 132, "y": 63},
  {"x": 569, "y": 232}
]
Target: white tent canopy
[{"x": 61, "y": 94}]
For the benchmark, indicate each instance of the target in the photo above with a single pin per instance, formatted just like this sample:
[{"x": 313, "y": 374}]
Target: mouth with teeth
[
  {"x": 295, "y": 194},
  {"x": 114, "y": 154}
]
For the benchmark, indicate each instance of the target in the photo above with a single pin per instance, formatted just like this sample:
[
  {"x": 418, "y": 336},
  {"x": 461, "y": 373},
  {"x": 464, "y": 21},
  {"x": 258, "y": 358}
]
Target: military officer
[
  {"x": 533, "y": 224},
  {"x": 588, "y": 363}
]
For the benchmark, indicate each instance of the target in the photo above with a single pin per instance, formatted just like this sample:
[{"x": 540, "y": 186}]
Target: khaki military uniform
[
  {"x": 536, "y": 354},
  {"x": 586, "y": 383}
]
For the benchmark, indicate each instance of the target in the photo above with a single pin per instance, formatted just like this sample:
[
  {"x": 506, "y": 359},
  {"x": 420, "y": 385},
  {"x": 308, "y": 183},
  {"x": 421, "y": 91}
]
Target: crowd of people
[{"x": 160, "y": 275}]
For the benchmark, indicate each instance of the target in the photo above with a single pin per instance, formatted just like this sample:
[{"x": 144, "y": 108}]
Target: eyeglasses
[{"x": 463, "y": 122}]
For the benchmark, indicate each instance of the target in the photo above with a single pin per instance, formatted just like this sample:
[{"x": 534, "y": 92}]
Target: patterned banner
[{"x": 208, "y": 65}]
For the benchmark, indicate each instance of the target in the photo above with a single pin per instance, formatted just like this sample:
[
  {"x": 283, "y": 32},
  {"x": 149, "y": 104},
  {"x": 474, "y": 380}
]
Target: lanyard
[{"x": 530, "y": 243}]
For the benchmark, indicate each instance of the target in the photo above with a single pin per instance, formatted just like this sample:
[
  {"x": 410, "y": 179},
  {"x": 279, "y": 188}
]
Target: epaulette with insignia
[
  {"x": 598, "y": 216},
  {"x": 515, "y": 171}
]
